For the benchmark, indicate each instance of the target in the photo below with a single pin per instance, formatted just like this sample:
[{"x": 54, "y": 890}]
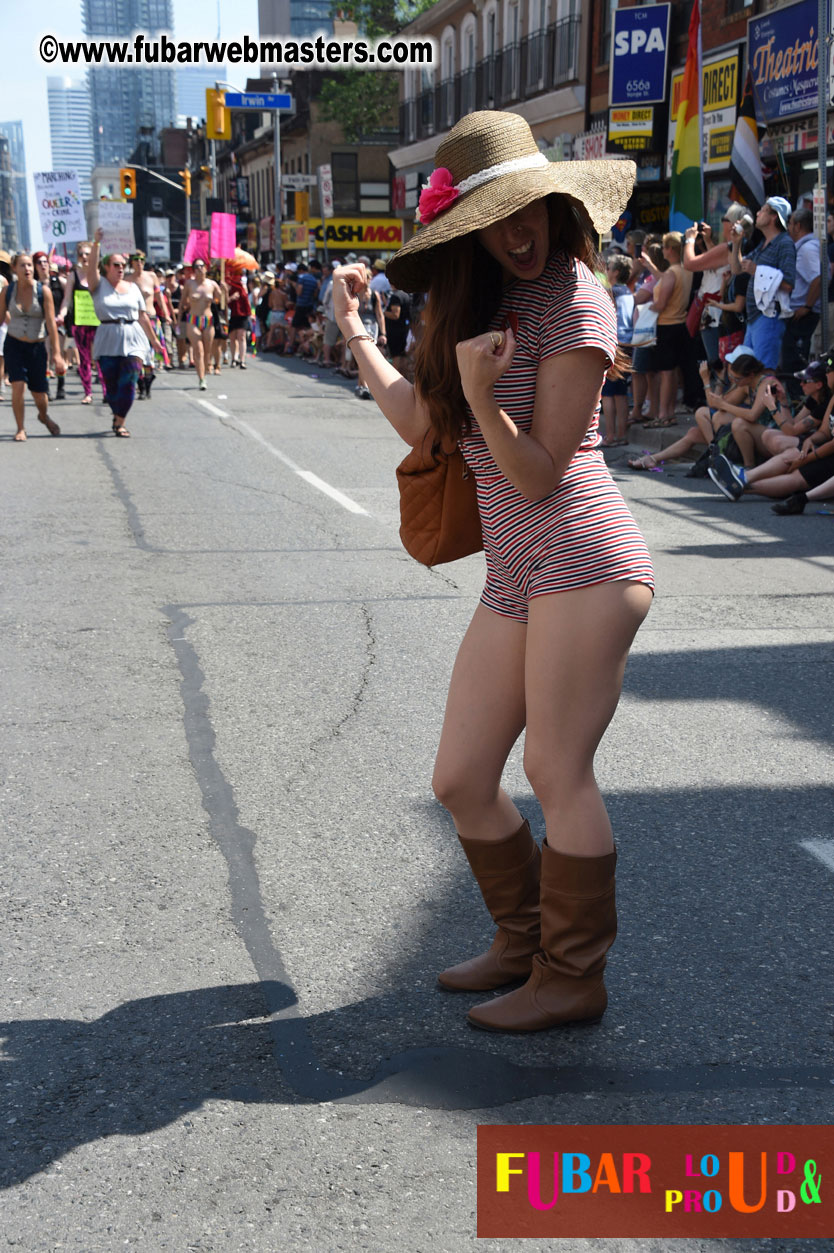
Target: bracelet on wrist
[{"x": 359, "y": 335}]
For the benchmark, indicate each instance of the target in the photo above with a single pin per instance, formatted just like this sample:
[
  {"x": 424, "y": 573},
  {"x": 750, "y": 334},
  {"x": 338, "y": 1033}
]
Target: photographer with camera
[
  {"x": 777, "y": 255},
  {"x": 701, "y": 255}
]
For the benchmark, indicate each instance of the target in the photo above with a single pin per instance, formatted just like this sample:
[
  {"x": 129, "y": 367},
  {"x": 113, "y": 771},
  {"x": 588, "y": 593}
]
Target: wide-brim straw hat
[{"x": 497, "y": 168}]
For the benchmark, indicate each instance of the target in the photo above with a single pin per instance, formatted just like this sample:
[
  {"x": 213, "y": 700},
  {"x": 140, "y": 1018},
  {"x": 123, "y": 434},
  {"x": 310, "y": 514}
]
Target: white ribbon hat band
[{"x": 496, "y": 171}]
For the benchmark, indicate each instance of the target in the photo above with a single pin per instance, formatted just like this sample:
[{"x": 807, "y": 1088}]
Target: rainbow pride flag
[{"x": 686, "y": 189}]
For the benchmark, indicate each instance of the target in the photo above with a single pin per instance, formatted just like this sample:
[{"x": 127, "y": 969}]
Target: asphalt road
[{"x": 227, "y": 886}]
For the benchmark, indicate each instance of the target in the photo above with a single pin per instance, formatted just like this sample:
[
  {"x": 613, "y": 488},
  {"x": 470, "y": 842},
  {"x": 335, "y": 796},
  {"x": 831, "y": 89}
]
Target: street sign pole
[{"x": 277, "y": 103}]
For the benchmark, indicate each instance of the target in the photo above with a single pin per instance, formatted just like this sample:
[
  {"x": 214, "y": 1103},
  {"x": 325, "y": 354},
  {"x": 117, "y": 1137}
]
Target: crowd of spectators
[{"x": 734, "y": 341}]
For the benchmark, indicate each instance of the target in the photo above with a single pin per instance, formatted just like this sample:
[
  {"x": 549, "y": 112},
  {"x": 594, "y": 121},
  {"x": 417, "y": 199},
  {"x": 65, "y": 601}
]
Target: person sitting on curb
[
  {"x": 709, "y": 418},
  {"x": 789, "y": 473},
  {"x": 749, "y": 414},
  {"x": 791, "y": 428}
]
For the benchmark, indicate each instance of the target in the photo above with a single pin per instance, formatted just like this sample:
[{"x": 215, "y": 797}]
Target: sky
[{"x": 23, "y": 77}]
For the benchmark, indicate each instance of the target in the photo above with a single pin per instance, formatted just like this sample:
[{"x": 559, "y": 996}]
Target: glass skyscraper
[
  {"x": 14, "y": 202},
  {"x": 126, "y": 101},
  {"x": 70, "y": 130}
]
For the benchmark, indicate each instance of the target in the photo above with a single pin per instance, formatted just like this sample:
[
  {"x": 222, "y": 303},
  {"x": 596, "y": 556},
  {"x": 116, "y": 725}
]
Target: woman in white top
[{"x": 121, "y": 343}]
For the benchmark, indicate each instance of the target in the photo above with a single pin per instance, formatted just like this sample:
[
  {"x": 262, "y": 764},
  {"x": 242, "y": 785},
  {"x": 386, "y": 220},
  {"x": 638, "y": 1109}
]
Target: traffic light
[
  {"x": 208, "y": 181},
  {"x": 127, "y": 184},
  {"x": 186, "y": 182},
  {"x": 302, "y": 206},
  {"x": 218, "y": 117}
]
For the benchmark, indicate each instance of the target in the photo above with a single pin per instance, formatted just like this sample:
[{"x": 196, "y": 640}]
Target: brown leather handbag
[{"x": 439, "y": 519}]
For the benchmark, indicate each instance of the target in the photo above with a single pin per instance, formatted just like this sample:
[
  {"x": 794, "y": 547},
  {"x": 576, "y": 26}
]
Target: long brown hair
[{"x": 466, "y": 290}]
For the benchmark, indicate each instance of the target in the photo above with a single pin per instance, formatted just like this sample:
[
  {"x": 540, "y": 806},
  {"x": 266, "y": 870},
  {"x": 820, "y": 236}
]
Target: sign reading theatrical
[
  {"x": 640, "y": 46},
  {"x": 782, "y": 52}
]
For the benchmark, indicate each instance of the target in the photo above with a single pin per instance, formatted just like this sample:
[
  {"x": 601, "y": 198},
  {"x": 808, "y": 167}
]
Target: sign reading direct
[{"x": 640, "y": 46}]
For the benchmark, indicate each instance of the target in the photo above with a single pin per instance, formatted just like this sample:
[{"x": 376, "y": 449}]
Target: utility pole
[
  {"x": 824, "y": 39},
  {"x": 279, "y": 252}
]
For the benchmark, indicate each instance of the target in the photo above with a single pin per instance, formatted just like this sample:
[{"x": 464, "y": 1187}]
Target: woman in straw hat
[{"x": 519, "y": 336}]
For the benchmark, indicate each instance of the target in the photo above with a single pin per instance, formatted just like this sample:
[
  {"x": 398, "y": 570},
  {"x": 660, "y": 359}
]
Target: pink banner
[
  {"x": 196, "y": 248},
  {"x": 223, "y": 234}
]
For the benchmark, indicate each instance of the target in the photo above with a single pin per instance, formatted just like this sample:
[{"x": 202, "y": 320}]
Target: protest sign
[
  {"x": 116, "y": 220},
  {"x": 60, "y": 207},
  {"x": 223, "y": 233},
  {"x": 196, "y": 247}
]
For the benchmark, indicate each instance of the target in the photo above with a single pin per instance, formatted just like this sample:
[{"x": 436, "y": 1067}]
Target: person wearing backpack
[{"x": 31, "y": 312}]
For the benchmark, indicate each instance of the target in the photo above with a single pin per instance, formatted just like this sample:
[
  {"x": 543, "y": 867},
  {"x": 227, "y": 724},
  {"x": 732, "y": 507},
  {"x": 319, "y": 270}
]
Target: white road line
[
  {"x": 307, "y": 475},
  {"x": 822, "y": 849},
  {"x": 218, "y": 413},
  {"x": 332, "y": 492}
]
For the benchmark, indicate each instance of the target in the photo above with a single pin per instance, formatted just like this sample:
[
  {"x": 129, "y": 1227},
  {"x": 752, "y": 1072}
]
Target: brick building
[{"x": 550, "y": 61}]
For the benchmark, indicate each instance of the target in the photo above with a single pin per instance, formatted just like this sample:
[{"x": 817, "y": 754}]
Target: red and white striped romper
[{"x": 583, "y": 532}]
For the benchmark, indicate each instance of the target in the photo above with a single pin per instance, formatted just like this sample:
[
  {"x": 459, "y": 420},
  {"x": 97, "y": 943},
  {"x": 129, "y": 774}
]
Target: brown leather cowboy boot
[
  {"x": 507, "y": 872},
  {"x": 579, "y": 925}
]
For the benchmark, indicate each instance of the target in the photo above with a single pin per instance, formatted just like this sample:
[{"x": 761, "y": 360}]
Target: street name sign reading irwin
[{"x": 553, "y": 1182}]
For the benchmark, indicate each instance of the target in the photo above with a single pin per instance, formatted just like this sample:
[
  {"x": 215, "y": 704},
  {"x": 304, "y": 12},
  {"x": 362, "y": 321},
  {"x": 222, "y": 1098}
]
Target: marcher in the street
[
  {"x": 31, "y": 312},
  {"x": 148, "y": 284},
  {"x": 5, "y": 279},
  {"x": 506, "y": 243},
  {"x": 123, "y": 334},
  {"x": 78, "y": 317},
  {"x": 199, "y": 293}
]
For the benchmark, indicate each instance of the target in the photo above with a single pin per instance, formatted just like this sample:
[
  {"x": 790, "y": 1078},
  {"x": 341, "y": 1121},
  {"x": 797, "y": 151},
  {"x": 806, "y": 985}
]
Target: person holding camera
[
  {"x": 789, "y": 427},
  {"x": 765, "y": 329},
  {"x": 702, "y": 255}
]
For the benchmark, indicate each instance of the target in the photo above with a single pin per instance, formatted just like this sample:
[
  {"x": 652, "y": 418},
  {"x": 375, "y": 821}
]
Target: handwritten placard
[
  {"x": 60, "y": 207},
  {"x": 116, "y": 220}
]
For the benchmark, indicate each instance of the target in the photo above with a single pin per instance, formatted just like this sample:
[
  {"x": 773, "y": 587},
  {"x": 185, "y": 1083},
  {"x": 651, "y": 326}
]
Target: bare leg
[
  {"x": 195, "y": 339},
  {"x": 654, "y": 393},
  {"x": 621, "y": 412},
  {"x": 577, "y": 645},
  {"x": 41, "y": 400},
  {"x": 18, "y": 406},
  {"x": 775, "y": 442},
  {"x": 778, "y": 485},
  {"x": 608, "y": 416},
  {"x": 748, "y": 436},
  {"x": 668, "y": 393},
  {"x": 639, "y": 390},
  {"x": 484, "y": 718},
  {"x": 207, "y": 341},
  {"x": 239, "y": 346},
  {"x": 681, "y": 446}
]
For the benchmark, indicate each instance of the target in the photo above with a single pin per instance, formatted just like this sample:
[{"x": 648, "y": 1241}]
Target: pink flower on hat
[{"x": 437, "y": 196}]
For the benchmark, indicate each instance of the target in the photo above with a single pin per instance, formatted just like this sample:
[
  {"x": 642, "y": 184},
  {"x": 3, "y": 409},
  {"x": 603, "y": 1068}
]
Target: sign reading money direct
[
  {"x": 60, "y": 207},
  {"x": 640, "y": 45}
]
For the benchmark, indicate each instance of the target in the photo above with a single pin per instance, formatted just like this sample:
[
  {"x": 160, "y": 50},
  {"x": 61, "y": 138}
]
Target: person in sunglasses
[{"x": 121, "y": 343}]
